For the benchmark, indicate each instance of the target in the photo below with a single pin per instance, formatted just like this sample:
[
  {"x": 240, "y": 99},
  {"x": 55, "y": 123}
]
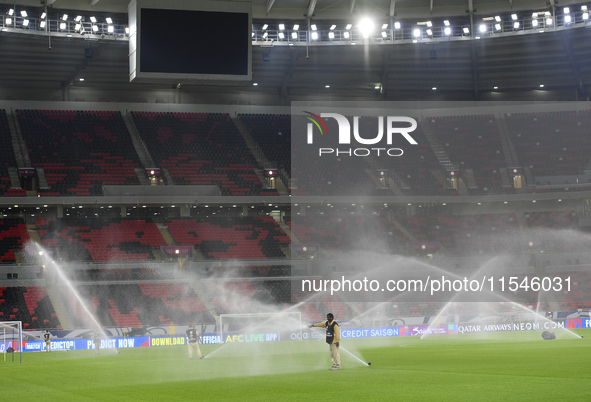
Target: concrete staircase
[
  {"x": 43, "y": 185},
  {"x": 141, "y": 175},
  {"x": 440, "y": 153},
  {"x": 21, "y": 151},
  {"x": 14, "y": 178},
  {"x": 403, "y": 229},
  {"x": 138, "y": 143}
]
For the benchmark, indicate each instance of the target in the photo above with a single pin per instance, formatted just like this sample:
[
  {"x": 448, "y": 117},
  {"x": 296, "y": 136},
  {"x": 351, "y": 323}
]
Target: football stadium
[{"x": 292, "y": 200}]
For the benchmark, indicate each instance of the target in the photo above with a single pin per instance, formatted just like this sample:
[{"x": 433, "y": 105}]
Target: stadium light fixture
[
  {"x": 446, "y": 23},
  {"x": 42, "y": 24},
  {"x": 294, "y": 35},
  {"x": 327, "y": 86},
  {"x": 23, "y": 14},
  {"x": 566, "y": 10},
  {"x": 25, "y": 22},
  {"x": 78, "y": 18},
  {"x": 332, "y": 27},
  {"x": 495, "y": 87},
  {"x": 516, "y": 25},
  {"x": 62, "y": 26},
  {"x": 434, "y": 89},
  {"x": 429, "y": 24},
  {"x": 93, "y": 20},
  {"x": 397, "y": 25},
  {"x": 126, "y": 30},
  {"x": 265, "y": 35},
  {"x": 534, "y": 23},
  {"x": 265, "y": 26},
  {"x": 77, "y": 27},
  {"x": 353, "y": 43},
  {"x": 95, "y": 28},
  {"x": 282, "y": 27},
  {"x": 498, "y": 27},
  {"x": 281, "y": 35},
  {"x": 314, "y": 27},
  {"x": 482, "y": 28},
  {"x": 65, "y": 17},
  {"x": 349, "y": 26},
  {"x": 541, "y": 85},
  {"x": 331, "y": 35},
  {"x": 43, "y": 15},
  {"x": 366, "y": 27},
  {"x": 447, "y": 31},
  {"x": 11, "y": 12},
  {"x": 384, "y": 34},
  {"x": 296, "y": 27},
  {"x": 110, "y": 29},
  {"x": 254, "y": 84},
  {"x": 109, "y": 20},
  {"x": 583, "y": 8},
  {"x": 346, "y": 34},
  {"x": 498, "y": 18},
  {"x": 567, "y": 19},
  {"x": 429, "y": 32},
  {"x": 549, "y": 21},
  {"x": 314, "y": 35},
  {"x": 416, "y": 33},
  {"x": 466, "y": 30},
  {"x": 514, "y": 17},
  {"x": 82, "y": 79},
  {"x": 384, "y": 26},
  {"x": 585, "y": 16}
]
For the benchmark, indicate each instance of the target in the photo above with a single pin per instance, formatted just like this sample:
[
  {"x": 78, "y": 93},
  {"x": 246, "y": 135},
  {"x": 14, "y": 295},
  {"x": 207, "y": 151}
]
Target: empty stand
[
  {"x": 79, "y": 150},
  {"x": 272, "y": 132},
  {"x": 31, "y": 305},
  {"x": 7, "y": 159},
  {"x": 232, "y": 238},
  {"x": 13, "y": 236},
  {"x": 201, "y": 148}
]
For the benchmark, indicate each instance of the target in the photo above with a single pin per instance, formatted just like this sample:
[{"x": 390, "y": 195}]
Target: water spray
[{"x": 355, "y": 357}]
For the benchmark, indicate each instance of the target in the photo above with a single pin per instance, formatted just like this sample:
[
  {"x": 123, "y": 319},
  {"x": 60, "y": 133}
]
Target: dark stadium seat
[{"x": 13, "y": 236}]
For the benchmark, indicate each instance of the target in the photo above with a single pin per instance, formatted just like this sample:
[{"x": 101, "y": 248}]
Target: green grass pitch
[{"x": 504, "y": 367}]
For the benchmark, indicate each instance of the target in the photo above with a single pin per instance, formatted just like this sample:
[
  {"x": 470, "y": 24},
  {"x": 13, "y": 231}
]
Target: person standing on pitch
[
  {"x": 47, "y": 338},
  {"x": 96, "y": 338},
  {"x": 193, "y": 336},
  {"x": 333, "y": 337}
]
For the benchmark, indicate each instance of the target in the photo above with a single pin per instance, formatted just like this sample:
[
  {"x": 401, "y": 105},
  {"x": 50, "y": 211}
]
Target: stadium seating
[
  {"x": 79, "y": 150},
  {"x": 13, "y": 236},
  {"x": 31, "y": 305},
  {"x": 553, "y": 219},
  {"x": 101, "y": 240},
  {"x": 201, "y": 148},
  {"x": 232, "y": 238},
  {"x": 7, "y": 159},
  {"x": 553, "y": 143}
]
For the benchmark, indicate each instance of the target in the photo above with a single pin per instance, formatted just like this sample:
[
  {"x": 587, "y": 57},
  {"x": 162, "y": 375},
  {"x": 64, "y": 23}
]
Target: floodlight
[
  {"x": 397, "y": 25},
  {"x": 43, "y": 15},
  {"x": 446, "y": 23},
  {"x": 281, "y": 27},
  {"x": 534, "y": 23},
  {"x": 366, "y": 27},
  {"x": 516, "y": 25},
  {"x": 95, "y": 28},
  {"x": 541, "y": 85},
  {"x": 93, "y": 19},
  {"x": 567, "y": 19},
  {"x": 349, "y": 26},
  {"x": 495, "y": 87},
  {"x": 110, "y": 29},
  {"x": 514, "y": 17},
  {"x": 327, "y": 86},
  {"x": 384, "y": 34},
  {"x": 265, "y": 26},
  {"x": 78, "y": 18},
  {"x": 42, "y": 24},
  {"x": 416, "y": 33},
  {"x": 62, "y": 25},
  {"x": 547, "y": 13},
  {"x": 109, "y": 20},
  {"x": 548, "y": 21},
  {"x": 82, "y": 79},
  {"x": 534, "y": 15},
  {"x": 384, "y": 26},
  {"x": 434, "y": 89},
  {"x": 294, "y": 35},
  {"x": 346, "y": 34},
  {"x": 466, "y": 30},
  {"x": 429, "y": 32},
  {"x": 265, "y": 35},
  {"x": 447, "y": 30},
  {"x": 254, "y": 84},
  {"x": 482, "y": 28},
  {"x": 296, "y": 27},
  {"x": 65, "y": 17},
  {"x": 497, "y": 18},
  {"x": 566, "y": 10},
  {"x": 25, "y": 22},
  {"x": 315, "y": 35},
  {"x": 377, "y": 87},
  {"x": 583, "y": 8},
  {"x": 585, "y": 15},
  {"x": 313, "y": 26},
  {"x": 498, "y": 27},
  {"x": 429, "y": 24},
  {"x": 332, "y": 27},
  {"x": 11, "y": 12},
  {"x": 126, "y": 30},
  {"x": 331, "y": 35},
  {"x": 23, "y": 13},
  {"x": 281, "y": 35},
  {"x": 77, "y": 27}
]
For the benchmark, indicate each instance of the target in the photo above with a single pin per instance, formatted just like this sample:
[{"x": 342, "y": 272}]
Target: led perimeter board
[{"x": 181, "y": 41}]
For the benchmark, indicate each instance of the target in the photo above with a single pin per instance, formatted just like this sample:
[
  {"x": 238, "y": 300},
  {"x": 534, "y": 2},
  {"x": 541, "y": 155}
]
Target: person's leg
[
  {"x": 337, "y": 356},
  {"x": 49, "y": 346},
  {"x": 332, "y": 356},
  {"x": 191, "y": 350},
  {"x": 198, "y": 351}
]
